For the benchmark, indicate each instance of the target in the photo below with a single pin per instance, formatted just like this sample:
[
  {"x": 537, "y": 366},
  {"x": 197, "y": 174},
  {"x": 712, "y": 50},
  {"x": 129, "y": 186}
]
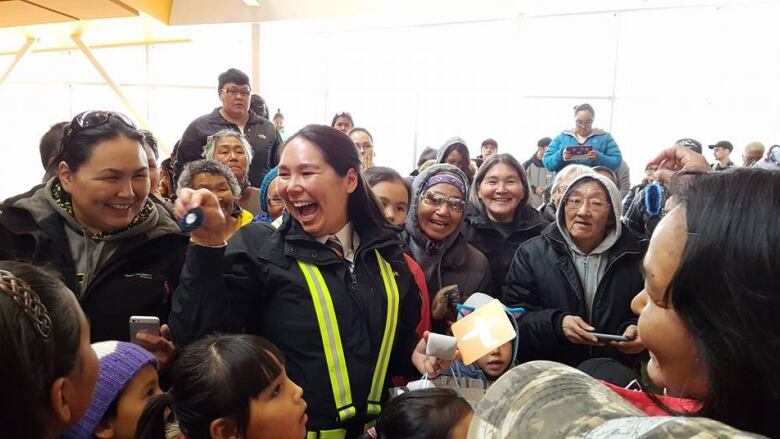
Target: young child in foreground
[{"x": 491, "y": 366}]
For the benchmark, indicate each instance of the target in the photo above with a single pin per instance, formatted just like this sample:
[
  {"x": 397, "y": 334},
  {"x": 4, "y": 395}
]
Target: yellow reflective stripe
[
  {"x": 391, "y": 322},
  {"x": 327, "y": 434},
  {"x": 331, "y": 340}
]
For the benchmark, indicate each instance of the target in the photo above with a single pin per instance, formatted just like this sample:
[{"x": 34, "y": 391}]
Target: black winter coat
[
  {"x": 138, "y": 278},
  {"x": 544, "y": 281},
  {"x": 256, "y": 286},
  {"x": 497, "y": 248}
]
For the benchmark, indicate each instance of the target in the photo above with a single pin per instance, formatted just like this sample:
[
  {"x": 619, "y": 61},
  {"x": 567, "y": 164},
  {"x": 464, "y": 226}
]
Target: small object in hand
[
  {"x": 453, "y": 298},
  {"x": 192, "y": 220},
  {"x": 441, "y": 346}
]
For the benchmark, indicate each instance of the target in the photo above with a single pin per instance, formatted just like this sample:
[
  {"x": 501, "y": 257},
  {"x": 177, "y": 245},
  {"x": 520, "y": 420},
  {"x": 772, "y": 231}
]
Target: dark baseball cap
[{"x": 723, "y": 144}]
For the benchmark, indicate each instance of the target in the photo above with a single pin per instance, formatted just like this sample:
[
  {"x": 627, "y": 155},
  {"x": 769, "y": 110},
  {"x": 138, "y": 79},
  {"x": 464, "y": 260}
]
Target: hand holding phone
[
  {"x": 609, "y": 337},
  {"x": 148, "y": 324}
]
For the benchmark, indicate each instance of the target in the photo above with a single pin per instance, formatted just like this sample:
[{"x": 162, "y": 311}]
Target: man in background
[
  {"x": 754, "y": 151},
  {"x": 722, "y": 152},
  {"x": 539, "y": 178},
  {"x": 234, "y": 92}
]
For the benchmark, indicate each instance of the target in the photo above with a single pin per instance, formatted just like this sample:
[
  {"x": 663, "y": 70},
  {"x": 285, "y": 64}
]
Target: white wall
[{"x": 653, "y": 76}]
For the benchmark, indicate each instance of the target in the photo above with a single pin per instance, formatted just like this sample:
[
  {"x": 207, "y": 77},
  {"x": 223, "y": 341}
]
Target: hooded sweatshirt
[
  {"x": 452, "y": 144},
  {"x": 91, "y": 252},
  {"x": 592, "y": 266}
]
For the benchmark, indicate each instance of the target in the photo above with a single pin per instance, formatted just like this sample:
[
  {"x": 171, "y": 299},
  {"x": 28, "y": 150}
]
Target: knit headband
[{"x": 444, "y": 178}]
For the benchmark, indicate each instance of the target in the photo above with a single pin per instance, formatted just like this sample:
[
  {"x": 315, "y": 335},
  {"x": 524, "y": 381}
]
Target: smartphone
[
  {"x": 579, "y": 152},
  {"x": 610, "y": 337},
  {"x": 148, "y": 324}
]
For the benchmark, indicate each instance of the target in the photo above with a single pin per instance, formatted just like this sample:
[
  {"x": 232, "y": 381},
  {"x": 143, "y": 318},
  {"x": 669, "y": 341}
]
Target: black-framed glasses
[
  {"x": 92, "y": 119},
  {"x": 235, "y": 93},
  {"x": 437, "y": 200}
]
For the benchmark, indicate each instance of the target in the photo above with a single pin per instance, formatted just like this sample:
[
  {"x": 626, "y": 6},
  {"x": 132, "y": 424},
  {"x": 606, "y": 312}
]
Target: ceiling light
[{"x": 254, "y": 3}]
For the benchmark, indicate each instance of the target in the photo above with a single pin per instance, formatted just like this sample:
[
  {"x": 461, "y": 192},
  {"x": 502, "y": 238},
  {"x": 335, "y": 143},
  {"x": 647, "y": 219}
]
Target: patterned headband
[
  {"x": 444, "y": 178},
  {"x": 20, "y": 291}
]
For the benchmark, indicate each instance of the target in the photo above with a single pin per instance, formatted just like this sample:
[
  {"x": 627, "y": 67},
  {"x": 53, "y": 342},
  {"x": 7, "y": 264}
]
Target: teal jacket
[{"x": 607, "y": 150}]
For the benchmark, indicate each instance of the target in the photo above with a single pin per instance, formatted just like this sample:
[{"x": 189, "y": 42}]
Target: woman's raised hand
[{"x": 212, "y": 231}]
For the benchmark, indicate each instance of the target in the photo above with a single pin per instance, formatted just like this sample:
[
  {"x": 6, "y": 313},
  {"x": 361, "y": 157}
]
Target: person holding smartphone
[
  {"x": 583, "y": 144},
  {"x": 119, "y": 252},
  {"x": 577, "y": 280}
]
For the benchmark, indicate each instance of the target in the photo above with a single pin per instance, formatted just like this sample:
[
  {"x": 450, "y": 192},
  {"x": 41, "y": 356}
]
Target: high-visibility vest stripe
[
  {"x": 327, "y": 434},
  {"x": 331, "y": 338},
  {"x": 391, "y": 323}
]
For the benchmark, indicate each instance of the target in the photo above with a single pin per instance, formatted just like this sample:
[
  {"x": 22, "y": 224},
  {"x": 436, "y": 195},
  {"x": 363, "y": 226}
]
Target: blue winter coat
[{"x": 607, "y": 150}]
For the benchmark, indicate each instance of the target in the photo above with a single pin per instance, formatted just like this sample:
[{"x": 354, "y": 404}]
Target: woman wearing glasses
[
  {"x": 602, "y": 151},
  {"x": 95, "y": 224},
  {"x": 433, "y": 235},
  {"x": 578, "y": 277},
  {"x": 329, "y": 286}
]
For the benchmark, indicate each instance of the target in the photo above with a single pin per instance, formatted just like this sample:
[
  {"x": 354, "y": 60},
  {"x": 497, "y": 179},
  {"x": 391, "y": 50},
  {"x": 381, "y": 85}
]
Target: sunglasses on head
[{"x": 92, "y": 119}]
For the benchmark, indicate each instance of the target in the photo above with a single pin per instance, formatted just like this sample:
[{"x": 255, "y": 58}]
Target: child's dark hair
[
  {"x": 422, "y": 414},
  {"x": 377, "y": 174},
  {"x": 214, "y": 377},
  {"x": 40, "y": 332}
]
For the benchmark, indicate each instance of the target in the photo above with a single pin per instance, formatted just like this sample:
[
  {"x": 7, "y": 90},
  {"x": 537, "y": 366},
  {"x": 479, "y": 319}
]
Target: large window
[{"x": 653, "y": 76}]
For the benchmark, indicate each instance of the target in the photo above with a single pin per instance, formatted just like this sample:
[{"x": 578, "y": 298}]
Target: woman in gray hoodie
[{"x": 578, "y": 277}]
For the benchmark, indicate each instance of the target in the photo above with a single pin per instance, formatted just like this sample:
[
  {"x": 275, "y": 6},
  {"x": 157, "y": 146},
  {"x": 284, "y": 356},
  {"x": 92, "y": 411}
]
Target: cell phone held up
[{"x": 148, "y": 324}]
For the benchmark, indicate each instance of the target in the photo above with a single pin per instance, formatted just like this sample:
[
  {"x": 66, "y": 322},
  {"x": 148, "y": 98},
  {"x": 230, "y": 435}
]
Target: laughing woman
[
  {"x": 94, "y": 223},
  {"x": 329, "y": 287},
  {"x": 432, "y": 233},
  {"x": 498, "y": 217}
]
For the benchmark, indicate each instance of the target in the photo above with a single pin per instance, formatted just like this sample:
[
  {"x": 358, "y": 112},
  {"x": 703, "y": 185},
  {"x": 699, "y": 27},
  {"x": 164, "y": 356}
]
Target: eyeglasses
[
  {"x": 575, "y": 203},
  {"x": 235, "y": 93},
  {"x": 438, "y": 200},
  {"x": 584, "y": 123},
  {"x": 275, "y": 201},
  {"x": 92, "y": 119}
]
